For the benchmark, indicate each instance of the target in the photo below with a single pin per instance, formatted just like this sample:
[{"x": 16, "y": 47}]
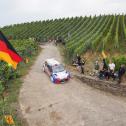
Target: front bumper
[{"x": 59, "y": 81}]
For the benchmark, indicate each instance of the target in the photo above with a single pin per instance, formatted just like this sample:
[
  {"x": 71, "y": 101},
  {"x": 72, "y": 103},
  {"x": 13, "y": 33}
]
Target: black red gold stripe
[
  {"x": 4, "y": 48},
  {"x": 6, "y": 57},
  {"x": 7, "y": 52}
]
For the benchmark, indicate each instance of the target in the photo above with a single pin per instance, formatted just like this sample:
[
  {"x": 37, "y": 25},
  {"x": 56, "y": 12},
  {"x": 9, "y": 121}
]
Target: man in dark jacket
[
  {"x": 78, "y": 60},
  {"x": 80, "y": 63},
  {"x": 105, "y": 66},
  {"x": 121, "y": 73}
]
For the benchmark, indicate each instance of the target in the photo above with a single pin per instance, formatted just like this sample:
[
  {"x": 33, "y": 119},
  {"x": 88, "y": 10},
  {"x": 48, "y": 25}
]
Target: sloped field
[{"x": 80, "y": 33}]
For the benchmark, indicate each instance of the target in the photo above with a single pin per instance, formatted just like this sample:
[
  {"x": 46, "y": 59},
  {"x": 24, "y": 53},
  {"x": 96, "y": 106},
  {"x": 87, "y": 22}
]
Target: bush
[
  {"x": 26, "y": 48},
  {"x": 118, "y": 61}
]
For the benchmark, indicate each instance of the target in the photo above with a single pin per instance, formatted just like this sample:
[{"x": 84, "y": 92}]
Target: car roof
[{"x": 52, "y": 62}]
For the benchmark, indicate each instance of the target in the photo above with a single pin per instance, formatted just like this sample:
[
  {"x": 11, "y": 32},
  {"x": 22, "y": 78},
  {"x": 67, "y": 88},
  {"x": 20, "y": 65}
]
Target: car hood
[{"x": 61, "y": 75}]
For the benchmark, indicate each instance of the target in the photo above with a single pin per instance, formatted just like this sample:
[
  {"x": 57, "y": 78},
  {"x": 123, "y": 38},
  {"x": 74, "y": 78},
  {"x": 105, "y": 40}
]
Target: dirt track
[{"x": 71, "y": 104}]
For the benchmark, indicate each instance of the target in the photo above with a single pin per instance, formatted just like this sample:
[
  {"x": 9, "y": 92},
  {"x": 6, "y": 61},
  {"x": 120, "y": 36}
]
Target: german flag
[{"x": 7, "y": 52}]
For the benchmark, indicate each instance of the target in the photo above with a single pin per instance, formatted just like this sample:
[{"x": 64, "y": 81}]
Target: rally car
[{"x": 55, "y": 71}]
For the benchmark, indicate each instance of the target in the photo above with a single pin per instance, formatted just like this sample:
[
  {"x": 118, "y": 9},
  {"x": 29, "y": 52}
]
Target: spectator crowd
[
  {"x": 102, "y": 70},
  {"x": 107, "y": 71}
]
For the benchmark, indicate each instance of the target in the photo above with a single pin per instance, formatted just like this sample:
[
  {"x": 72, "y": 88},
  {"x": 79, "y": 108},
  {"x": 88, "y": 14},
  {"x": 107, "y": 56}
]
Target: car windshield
[{"x": 58, "y": 68}]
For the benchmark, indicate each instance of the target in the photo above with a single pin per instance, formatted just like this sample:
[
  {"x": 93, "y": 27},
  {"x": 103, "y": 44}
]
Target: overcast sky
[{"x": 18, "y": 11}]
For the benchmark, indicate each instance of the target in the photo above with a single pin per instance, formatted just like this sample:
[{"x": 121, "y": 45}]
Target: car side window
[{"x": 50, "y": 68}]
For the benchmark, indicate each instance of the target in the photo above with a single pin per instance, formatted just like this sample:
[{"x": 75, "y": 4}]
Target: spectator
[
  {"x": 111, "y": 69},
  {"x": 78, "y": 60},
  {"x": 80, "y": 64},
  {"x": 121, "y": 73},
  {"x": 55, "y": 42},
  {"x": 105, "y": 70},
  {"x": 82, "y": 69},
  {"x": 96, "y": 67},
  {"x": 111, "y": 66},
  {"x": 107, "y": 74},
  {"x": 105, "y": 66},
  {"x": 101, "y": 71}
]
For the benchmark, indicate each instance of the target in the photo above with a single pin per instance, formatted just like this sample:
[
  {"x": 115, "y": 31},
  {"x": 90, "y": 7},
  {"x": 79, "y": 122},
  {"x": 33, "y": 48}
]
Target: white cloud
[{"x": 17, "y": 11}]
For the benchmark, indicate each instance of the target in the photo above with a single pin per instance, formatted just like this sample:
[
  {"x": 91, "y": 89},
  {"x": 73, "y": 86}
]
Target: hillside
[{"x": 80, "y": 33}]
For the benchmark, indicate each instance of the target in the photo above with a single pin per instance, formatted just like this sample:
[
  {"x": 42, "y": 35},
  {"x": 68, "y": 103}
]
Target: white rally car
[{"x": 55, "y": 71}]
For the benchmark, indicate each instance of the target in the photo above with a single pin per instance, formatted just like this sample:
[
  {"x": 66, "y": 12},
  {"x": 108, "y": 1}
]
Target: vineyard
[
  {"x": 25, "y": 48},
  {"x": 80, "y": 33},
  {"x": 10, "y": 78}
]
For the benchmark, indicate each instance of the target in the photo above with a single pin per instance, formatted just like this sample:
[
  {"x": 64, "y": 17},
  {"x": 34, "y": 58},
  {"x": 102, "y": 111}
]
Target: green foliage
[
  {"x": 26, "y": 48},
  {"x": 124, "y": 26},
  {"x": 1, "y": 88},
  {"x": 117, "y": 34},
  {"x": 119, "y": 60},
  {"x": 10, "y": 82},
  {"x": 85, "y": 33}
]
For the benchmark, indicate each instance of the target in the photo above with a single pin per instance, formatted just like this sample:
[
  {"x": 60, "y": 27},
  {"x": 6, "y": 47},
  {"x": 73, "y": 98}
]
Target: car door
[{"x": 47, "y": 69}]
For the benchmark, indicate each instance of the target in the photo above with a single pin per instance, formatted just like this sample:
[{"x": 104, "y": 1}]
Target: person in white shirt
[
  {"x": 112, "y": 66},
  {"x": 112, "y": 69}
]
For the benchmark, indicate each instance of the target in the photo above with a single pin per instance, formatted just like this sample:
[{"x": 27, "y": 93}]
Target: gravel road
[{"x": 71, "y": 104}]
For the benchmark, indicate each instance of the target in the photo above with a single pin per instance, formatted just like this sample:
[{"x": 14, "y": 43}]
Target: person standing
[
  {"x": 105, "y": 66},
  {"x": 96, "y": 65},
  {"x": 80, "y": 64},
  {"x": 121, "y": 73},
  {"x": 105, "y": 70},
  {"x": 78, "y": 60}
]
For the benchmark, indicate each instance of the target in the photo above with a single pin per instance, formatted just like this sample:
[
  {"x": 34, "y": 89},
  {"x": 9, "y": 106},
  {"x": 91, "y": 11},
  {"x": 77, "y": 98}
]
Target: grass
[
  {"x": 11, "y": 104},
  {"x": 90, "y": 57},
  {"x": 64, "y": 55}
]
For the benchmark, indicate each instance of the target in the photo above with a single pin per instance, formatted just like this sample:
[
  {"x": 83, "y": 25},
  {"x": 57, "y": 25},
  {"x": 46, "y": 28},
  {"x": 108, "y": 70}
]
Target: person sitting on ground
[
  {"x": 121, "y": 73},
  {"x": 96, "y": 67},
  {"x": 105, "y": 69},
  {"x": 112, "y": 69},
  {"x": 101, "y": 71}
]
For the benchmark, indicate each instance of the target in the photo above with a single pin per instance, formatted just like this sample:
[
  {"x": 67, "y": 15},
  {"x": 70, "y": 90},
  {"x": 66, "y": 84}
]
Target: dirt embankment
[{"x": 71, "y": 104}]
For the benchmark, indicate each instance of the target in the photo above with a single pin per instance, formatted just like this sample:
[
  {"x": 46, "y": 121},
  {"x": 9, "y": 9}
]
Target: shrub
[{"x": 118, "y": 61}]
